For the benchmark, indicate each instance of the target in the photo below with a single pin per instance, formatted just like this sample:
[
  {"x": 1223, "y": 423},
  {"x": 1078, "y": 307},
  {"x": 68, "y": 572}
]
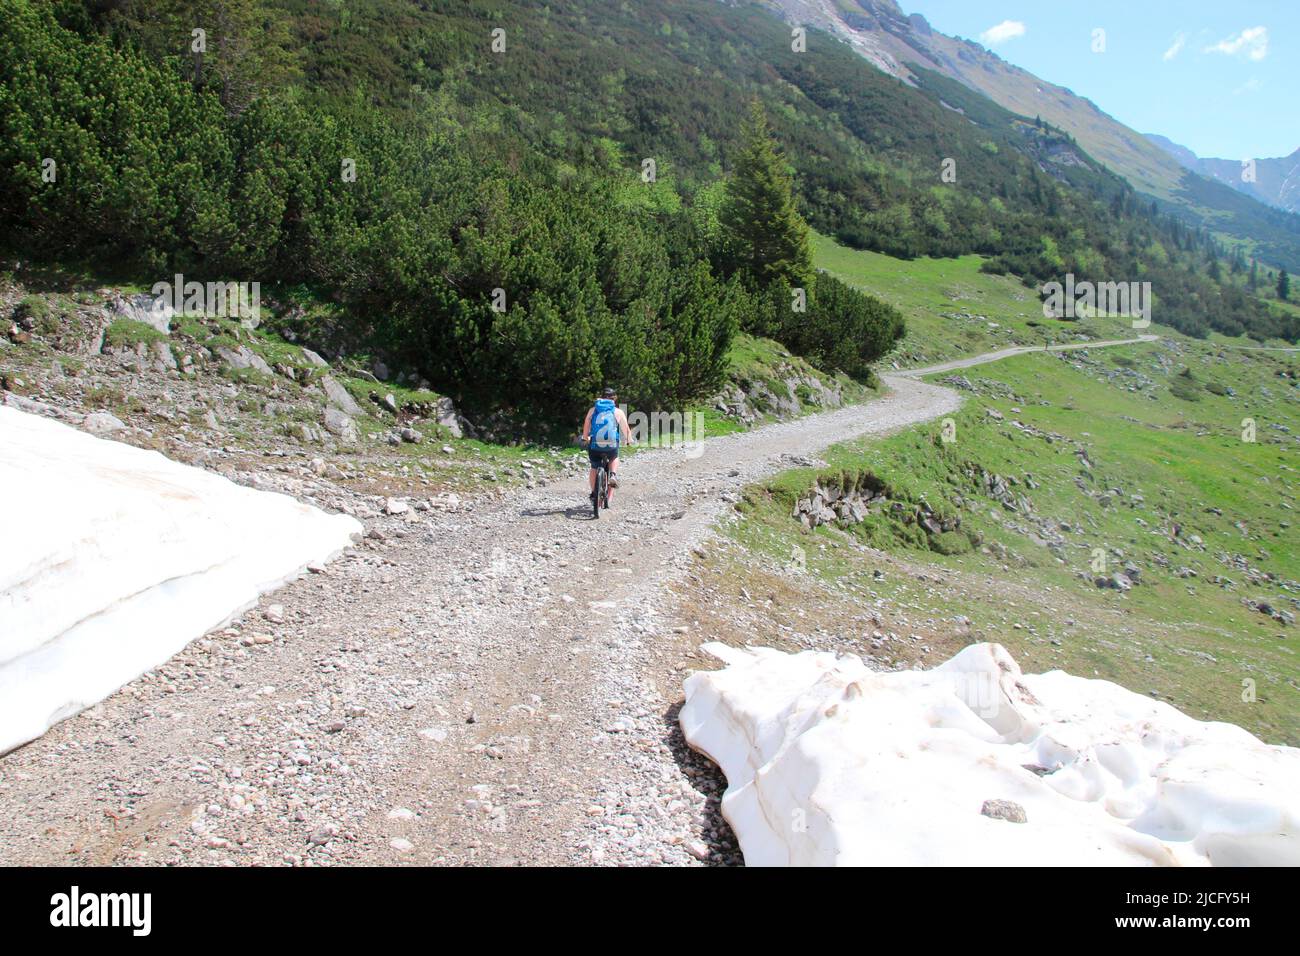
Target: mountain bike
[{"x": 600, "y": 497}]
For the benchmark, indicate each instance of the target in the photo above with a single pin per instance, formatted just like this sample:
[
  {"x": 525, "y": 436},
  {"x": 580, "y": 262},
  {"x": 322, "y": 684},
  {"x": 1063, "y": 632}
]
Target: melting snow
[
  {"x": 830, "y": 763},
  {"x": 114, "y": 558}
]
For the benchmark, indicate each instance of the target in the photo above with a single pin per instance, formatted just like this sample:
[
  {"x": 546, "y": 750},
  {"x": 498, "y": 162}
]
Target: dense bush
[
  {"x": 844, "y": 329},
  {"x": 838, "y": 327},
  {"x": 155, "y": 176},
  {"x": 600, "y": 86}
]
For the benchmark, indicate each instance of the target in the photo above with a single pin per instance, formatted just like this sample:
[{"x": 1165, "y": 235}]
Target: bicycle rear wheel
[{"x": 602, "y": 478}]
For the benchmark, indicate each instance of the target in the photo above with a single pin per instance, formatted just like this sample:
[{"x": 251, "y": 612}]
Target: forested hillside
[
  {"x": 524, "y": 169},
  {"x": 512, "y": 279}
]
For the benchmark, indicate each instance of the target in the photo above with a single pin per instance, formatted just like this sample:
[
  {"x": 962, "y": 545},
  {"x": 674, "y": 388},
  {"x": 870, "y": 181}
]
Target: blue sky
[{"x": 1221, "y": 78}]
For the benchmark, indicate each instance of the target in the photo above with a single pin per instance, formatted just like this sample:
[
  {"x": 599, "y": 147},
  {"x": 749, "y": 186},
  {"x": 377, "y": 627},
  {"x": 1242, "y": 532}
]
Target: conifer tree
[{"x": 765, "y": 235}]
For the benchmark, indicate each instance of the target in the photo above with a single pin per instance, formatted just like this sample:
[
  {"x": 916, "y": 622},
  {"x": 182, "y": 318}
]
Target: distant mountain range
[
  {"x": 1272, "y": 181},
  {"x": 906, "y": 46}
]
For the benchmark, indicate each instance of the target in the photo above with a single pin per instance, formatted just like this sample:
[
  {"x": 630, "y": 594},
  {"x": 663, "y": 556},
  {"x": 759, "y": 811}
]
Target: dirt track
[{"x": 473, "y": 688}]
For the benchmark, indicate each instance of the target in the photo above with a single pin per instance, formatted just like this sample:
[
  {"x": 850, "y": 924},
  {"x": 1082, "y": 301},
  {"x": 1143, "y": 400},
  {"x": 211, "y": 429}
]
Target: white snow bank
[
  {"x": 112, "y": 559},
  {"x": 829, "y": 763}
]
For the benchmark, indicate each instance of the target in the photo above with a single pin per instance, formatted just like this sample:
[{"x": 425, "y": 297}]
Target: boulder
[
  {"x": 339, "y": 396},
  {"x": 306, "y": 432},
  {"x": 447, "y": 416},
  {"x": 242, "y": 357},
  {"x": 102, "y": 423},
  {"x": 164, "y": 360},
  {"x": 340, "y": 425},
  {"x": 155, "y": 312}
]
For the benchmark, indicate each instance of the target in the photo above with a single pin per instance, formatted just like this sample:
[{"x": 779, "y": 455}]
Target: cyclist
[{"x": 603, "y": 430}]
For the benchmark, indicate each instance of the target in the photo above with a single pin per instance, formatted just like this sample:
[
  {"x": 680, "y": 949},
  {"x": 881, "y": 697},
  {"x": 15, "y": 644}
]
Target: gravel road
[{"x": 464, "y": 687}]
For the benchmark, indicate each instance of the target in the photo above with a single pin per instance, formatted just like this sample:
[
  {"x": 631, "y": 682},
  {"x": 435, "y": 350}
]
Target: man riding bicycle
[{"x": 603, "y": 430}]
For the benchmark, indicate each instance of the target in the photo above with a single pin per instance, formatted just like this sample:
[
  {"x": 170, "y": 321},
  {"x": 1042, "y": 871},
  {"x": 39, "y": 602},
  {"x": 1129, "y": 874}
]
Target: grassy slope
[
  {"x": 953, "y": 309},
  {"x": 1188, "y": 639},
  {"x": 1180, "y": 457}
]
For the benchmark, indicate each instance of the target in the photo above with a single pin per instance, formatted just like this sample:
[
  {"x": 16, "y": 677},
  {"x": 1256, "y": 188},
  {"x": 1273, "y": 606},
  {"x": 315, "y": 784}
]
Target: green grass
[
  {"x": 1188, "y": 639},
  {"x": 129, "y": 332},
  {"x": 954, "y": 310}
]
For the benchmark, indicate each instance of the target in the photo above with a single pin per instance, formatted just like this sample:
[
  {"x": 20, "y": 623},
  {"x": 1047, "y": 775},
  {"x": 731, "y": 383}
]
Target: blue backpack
[{"x": 604, "y": 426}]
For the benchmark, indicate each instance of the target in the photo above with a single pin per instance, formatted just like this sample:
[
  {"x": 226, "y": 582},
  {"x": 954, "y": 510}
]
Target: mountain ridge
[
  {"x": 899, "y": 44},
  {"x": 1275, "y": 181}
]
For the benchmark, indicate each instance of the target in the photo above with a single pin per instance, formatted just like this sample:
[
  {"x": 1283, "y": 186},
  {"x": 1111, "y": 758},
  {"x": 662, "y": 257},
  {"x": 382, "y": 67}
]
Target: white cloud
[
  {"x": 1250, "y": 86},
  {"x": 1253, "y": 43},
  {"x": 1176, "y": 48},
  {"x": 1004, "y": 31}
]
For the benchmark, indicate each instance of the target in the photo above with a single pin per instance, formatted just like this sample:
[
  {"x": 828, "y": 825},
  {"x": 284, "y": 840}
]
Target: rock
[
  {"x": 1004, "y": 810},
  {"x": 102, "y": 423},
  {"x": 274, "y": 613},
  {"x": 396, "y": 506},
  {"x": 323, "y": 834},
  {"x": 402, "y": 845},
  {"x": 305, "y": 432},
  {"x": 697, "y": 849},
  {"x": 621, "y": 725},
  {"x": 155, "y": 312},
  {"x": 401, "y": 813},
  {"x": 446, "y": 415},
  {"x": 410, "y": 435},
  {"x": 339, "y": 396},
  {"x": 314, "y": 359},
  {"x": 164, "y": 360},
  {"x": 340, "y": 424},
  {"x": 242, "y": 357}
]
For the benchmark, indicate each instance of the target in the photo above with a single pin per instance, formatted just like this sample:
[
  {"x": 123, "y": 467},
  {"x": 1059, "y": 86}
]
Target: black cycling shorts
[{"x": 597, "y": 458}]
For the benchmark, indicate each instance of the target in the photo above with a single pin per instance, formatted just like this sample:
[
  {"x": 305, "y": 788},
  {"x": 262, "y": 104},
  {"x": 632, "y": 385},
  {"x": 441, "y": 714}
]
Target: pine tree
[
  {"x": 1283, "y": 285},
  {"x": 765, "y": 235},
  {"x": 250, "y": 48}
]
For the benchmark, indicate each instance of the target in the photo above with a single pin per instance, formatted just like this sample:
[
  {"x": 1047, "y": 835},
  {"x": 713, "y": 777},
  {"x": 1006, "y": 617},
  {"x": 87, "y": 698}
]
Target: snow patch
[
  {"x": 114, "y": 558},
  {"x": 830, "y": 763}
]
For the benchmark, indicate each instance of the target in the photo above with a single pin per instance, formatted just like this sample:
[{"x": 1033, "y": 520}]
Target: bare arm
[
  {"x": 586, "y": 426},
  {"x": 622, "y": 425}
]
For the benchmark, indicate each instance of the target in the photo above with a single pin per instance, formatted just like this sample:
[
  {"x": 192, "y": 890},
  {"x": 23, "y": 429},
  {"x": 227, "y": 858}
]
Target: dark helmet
[{"x": 608, "y": 393}]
